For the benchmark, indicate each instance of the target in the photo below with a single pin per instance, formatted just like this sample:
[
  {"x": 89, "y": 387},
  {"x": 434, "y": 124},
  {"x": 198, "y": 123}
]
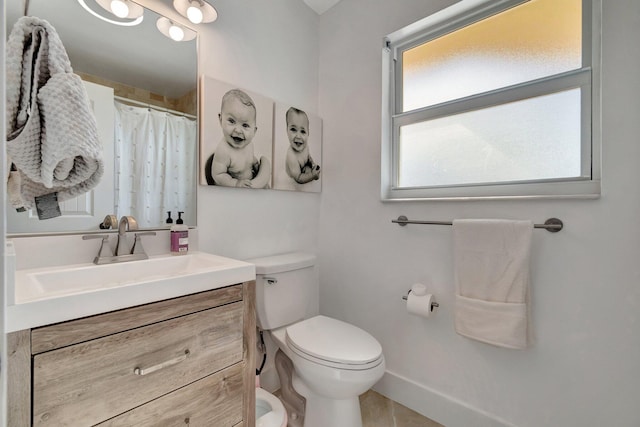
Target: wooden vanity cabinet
[{"x": 185, "y": 361}]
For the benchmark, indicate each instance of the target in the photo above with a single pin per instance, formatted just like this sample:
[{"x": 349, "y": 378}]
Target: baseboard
[{"x": 432, "y": 404}]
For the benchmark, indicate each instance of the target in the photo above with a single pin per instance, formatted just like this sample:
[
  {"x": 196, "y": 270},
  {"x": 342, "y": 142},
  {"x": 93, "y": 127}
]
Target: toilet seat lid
[{"x": 335, "y": 341}]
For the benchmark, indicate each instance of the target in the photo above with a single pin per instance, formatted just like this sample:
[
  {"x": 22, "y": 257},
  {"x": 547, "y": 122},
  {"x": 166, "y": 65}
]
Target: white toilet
[
  {"x": 270, "y": 411},
  {"x": 334, "y": 362}
]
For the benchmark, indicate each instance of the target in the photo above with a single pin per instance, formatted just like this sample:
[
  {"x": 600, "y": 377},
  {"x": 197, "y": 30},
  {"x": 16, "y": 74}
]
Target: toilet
[
  {"x": 333, "y": 361},
  {"x": 270, "y": 411}
]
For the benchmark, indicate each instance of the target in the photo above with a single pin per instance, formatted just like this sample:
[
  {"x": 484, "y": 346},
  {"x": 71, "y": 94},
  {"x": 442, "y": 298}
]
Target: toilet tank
[{"x": 286, "y": 284}]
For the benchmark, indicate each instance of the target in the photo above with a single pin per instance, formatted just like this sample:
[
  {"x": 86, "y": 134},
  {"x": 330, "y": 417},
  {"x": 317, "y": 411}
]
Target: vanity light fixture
[
  {"x": 197, "y": 11},
  {"x": 174, "y": 31},
  {"x": 122, "y": 8},
  {"x": 195, "y": 15},
  {"x": 134, "y": 16},
  {"x": 119, "y": 8}
]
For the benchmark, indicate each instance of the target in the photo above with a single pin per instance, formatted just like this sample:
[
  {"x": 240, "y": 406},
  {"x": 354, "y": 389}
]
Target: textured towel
[
  {"x": 491, "y": 262},
  {"x": 52, "y": 137}
]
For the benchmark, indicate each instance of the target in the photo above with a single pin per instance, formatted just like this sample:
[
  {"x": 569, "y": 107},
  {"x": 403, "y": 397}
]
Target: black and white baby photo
[
  {"x": 297, "y": 150},
  {"x": 236, "y": 141}
]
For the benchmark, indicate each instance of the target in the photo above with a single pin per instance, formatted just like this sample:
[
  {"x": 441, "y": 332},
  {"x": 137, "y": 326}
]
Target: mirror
[{"x": 139, "y": 82}]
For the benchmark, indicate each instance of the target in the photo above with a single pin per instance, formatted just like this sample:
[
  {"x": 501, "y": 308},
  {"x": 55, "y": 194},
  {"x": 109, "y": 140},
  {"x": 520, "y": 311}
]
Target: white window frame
[{"x": 457, "y": 16}]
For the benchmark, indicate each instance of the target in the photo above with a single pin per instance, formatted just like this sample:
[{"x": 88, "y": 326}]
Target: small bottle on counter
[{"x": 179, "y": 237}]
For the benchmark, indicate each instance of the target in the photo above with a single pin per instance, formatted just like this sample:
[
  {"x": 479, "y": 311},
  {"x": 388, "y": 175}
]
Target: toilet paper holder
[{"x": 433, "y": 303}]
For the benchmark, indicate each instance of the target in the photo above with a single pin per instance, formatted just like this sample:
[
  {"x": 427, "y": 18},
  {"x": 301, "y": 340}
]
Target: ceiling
[{"x": 321, "y": 6}]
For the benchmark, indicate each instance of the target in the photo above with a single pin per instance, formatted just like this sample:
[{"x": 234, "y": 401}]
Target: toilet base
[
  {"x": 293, "y": 402},
  {"x": 322, "y": 412}
]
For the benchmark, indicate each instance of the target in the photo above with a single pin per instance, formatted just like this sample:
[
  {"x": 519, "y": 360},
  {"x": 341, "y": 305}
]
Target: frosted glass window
[
  {"x": 493, "y": 99},
  {"x": 534, "y": 139},
  {"x": 533, "y": 40}
]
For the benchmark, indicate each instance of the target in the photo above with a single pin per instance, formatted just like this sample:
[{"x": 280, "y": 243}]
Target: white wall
[{"x": 584, "y": 368}]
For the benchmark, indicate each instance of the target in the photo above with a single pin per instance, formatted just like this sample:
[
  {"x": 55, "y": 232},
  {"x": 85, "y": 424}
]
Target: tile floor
[{"x": 378, "y": 411}]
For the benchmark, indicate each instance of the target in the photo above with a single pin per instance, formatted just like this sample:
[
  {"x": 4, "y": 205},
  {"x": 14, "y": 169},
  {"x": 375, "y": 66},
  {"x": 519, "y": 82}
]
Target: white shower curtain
[{"x": 155, "y": 164}]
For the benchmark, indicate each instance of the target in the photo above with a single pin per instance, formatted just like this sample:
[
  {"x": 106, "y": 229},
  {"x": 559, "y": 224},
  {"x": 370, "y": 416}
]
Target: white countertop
[{"x": 25, "y": 313}]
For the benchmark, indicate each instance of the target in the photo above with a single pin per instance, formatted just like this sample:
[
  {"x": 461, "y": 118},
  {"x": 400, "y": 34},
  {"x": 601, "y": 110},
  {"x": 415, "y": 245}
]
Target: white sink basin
[
  {"x": 45, "y": 283},
  {"x": 54, "y": 294}
]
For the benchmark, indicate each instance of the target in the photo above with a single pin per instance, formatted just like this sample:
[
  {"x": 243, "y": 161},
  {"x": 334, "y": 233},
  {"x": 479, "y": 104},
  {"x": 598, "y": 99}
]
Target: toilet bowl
[
  {"x": 328, "y": 373},
  {"x": 270, "y": 411}
]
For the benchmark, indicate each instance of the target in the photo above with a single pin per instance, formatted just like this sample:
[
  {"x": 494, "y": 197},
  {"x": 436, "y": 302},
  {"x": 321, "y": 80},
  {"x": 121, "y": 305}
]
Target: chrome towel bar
[{"x": 552, "y": 225}]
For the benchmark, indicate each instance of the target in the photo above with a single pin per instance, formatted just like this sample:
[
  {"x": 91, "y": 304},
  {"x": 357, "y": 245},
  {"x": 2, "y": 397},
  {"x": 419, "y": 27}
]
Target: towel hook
[{"x": 26, "y": 7}]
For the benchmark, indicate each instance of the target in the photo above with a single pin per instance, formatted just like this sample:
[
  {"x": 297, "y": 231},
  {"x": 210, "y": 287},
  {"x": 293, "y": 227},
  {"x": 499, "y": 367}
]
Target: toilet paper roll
[
  {"x": 420, "y": 305},
  {"x": 418, "y": 289}
]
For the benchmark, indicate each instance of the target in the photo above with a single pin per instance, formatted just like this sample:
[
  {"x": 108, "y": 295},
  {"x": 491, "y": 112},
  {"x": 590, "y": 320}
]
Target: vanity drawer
[
  {"x": 93, "y": 381},
  {"x": 59, "y": 335},
  {"x": 215, "y": 400}
]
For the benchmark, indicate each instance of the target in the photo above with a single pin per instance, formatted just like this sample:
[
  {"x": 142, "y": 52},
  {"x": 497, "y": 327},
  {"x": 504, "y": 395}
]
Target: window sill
[{"x": 556, "y": 190}]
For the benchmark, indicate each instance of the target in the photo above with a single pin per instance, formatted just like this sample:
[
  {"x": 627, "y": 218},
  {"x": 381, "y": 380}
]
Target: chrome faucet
[
  {"x": 123, "y": 253},
  {"x": 126, "y": 223}
]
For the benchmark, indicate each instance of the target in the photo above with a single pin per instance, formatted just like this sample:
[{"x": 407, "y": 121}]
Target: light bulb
[
  {"x": 119, "y": 8},
  {"x": 194, "y": 13},
  {"x": 176, "y": 33}
]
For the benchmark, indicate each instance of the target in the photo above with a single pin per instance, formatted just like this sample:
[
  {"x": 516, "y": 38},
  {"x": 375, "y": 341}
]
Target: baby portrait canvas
[
  {"x": 297, "y": 154},
  {"x": 236, "y": 143}
]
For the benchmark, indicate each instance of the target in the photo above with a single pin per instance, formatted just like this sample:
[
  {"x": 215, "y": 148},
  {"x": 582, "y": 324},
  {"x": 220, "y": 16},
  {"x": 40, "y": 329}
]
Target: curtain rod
[
  {"x": 155, "y": 107},
  {"x": 552, "y": 225}
]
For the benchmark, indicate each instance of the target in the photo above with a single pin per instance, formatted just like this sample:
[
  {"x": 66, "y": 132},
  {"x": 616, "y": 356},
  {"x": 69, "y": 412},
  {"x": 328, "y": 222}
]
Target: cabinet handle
[{"x": 170, "y": 362}]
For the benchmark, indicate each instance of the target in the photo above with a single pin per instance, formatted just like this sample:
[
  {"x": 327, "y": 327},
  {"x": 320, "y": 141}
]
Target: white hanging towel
[
  {"x": 491, "y": 269},
  {"x": 52, "y": 137}
]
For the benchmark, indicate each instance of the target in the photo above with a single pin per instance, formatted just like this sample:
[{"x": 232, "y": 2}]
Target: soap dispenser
[{"x": 179, "y": 237}]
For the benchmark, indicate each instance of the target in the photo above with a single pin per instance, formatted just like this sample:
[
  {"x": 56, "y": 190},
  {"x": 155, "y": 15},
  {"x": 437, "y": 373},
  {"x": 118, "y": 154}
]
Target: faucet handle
[
  {"x": 110, "y": 221},
  {"x": 105, "y": 249},
  {"x": 137, "y": 242}
]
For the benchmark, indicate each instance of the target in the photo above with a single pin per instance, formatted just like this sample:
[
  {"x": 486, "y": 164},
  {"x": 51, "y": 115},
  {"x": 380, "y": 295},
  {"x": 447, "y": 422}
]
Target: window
[{"x": 493, "y": 99}]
